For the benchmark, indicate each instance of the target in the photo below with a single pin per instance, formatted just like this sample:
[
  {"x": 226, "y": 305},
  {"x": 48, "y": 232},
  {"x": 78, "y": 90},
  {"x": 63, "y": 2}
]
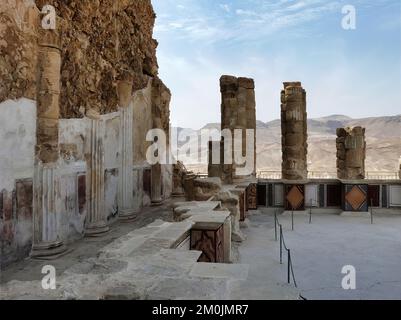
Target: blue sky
[{"x": 352, "y": 72}]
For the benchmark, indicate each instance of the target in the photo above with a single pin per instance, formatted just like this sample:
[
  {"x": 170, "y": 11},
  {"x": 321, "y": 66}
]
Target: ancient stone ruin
[
  {"x": 294, "y": 132},
  {"x": 238, "y": 112},
  {"x": 84, "y": 96},
  {"x": 351, "y": 153},
  {"x": 77, "y": 103}
]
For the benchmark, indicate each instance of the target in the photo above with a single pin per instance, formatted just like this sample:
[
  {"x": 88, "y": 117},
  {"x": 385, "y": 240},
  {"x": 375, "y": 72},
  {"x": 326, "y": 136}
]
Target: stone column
[
  {"x": 46, "y": 241},
  {"x": 294, "y": 132},
  {"x": 126, "y": 179},
  {"x": 248, "y": 86},
  {"x": 351, "y": 153},
  {"x": 179, "y": 173},
  {"x": 238, "y": 111},
  {"x": 96, "y": 221},
  {"x": 161, "y": 97}
]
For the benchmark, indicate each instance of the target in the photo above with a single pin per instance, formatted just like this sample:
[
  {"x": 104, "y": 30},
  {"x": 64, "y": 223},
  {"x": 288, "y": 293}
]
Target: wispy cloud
[
  {"x": 201, "y": 20},
  {"x": 275, "y": 41}
]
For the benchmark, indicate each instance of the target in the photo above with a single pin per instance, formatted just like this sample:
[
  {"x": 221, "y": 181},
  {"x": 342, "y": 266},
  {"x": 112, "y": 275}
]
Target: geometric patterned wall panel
[
  {"x": 262, "y": 195},
  {"x": 333, "y": 196},
  {"x": 395, "y": 195},
  {"x": 374, "y": 196},
  {"x": 252, "y": 196},
  {"x": 384, "y": 196},
  {"x": 356, "y": 198},
  {"x": 270, "y": 190},
  {"x": 278, "y": 195},
  {"x": 295, "y": 197},
  {"x": 322, "y": 193},
  {"x": 312, "y": 195},
  {"x": 210, "y": 243}
]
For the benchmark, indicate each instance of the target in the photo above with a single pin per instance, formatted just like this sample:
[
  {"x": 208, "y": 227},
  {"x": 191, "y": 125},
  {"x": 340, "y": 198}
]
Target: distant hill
[{"x": 383, "y": 135}]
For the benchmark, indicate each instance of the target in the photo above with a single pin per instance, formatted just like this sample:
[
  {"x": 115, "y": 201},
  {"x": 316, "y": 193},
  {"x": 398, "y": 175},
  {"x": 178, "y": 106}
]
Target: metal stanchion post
[
  {"x": 371, "y": 211},
  {"x": 289, "y": 266},
  {"x": 281, "y": 244},
  {"x": 292, "y": 220}
]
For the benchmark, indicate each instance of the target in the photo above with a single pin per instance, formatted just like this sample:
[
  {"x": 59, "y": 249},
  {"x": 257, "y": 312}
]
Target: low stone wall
[{"x": 331, "y": 194}]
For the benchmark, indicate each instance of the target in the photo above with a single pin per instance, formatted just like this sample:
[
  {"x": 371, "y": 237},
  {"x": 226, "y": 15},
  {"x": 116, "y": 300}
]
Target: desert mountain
[{"x": 383, "y": 135}]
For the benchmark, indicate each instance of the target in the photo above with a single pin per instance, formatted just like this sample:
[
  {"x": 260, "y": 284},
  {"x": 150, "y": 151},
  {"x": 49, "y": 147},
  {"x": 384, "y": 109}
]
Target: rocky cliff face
[
  {"x": 102, "y": 41},
  {"x": 19, "y": 20}
]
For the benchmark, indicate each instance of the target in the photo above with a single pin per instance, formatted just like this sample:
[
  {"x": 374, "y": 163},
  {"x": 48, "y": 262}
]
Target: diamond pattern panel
[
  {"x": 356, "y": 198},
  {"x": 295, "y": 197}
]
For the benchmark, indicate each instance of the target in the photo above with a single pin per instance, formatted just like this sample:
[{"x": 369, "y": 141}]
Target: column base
[
  {"x": 178, "y": 195},
  {"x": 49, "y": 250},
  {"x": 97, "y": 229},
  {"x": 128, "y": 215},
  {"x": 156, "y": 203}
]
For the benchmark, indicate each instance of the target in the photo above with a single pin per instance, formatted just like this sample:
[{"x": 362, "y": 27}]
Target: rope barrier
[{"x": 290, "y": 268}]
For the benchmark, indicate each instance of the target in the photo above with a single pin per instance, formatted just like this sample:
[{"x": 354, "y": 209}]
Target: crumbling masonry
[
  {"x": 84, "y": 97},
  {"x": 76, "y": 106},
  {"x": 238, "y": 112},
  {"x": 351, "y": 153},
  {"x": 294, "y": 131}
]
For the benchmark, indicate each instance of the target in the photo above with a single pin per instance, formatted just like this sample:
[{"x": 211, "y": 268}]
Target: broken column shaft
[
  {"x": 126, "y": 178},
  {"x": 46, "y": 241},
  {"x": 238, "y": 112},
  {"x": 351, "y": 153},
  {"x": 294, "y": 132},
  {"x": 161, "y": 97},
  {"x": 96, "y": 222}
]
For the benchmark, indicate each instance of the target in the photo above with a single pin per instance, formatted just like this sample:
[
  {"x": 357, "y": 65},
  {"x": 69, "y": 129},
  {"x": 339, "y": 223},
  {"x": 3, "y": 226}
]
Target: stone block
[{"x": 246, "y": 83}]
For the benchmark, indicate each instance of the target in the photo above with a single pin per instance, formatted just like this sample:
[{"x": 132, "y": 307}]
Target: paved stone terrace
[
  {"x": 320, "y": 250},
  {"x": 140, "y": 264},
  {"x": 134, "y": 261},
  {"x": 86, "y": 248}
]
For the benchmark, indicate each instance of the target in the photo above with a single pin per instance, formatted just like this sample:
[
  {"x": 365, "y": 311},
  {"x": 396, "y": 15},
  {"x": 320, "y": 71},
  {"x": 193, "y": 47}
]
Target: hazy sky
[{"x": 352, "y": 72}]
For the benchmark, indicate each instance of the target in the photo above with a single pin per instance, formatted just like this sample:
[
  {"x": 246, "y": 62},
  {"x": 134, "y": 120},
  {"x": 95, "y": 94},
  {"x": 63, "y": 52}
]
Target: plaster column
[
  {"x": 46, "y": 241},
  {"x": 126, "y": 178},
  {"x": 96, "y": 221}
]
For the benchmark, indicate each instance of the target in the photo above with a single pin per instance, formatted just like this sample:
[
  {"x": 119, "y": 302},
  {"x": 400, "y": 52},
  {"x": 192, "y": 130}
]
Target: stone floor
[
  {"x": 136, "y": 261},
  {"x": 86, "y": 248},
  {"x": 267, "y": 278},
  {"x": 321, "y": 249}
]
